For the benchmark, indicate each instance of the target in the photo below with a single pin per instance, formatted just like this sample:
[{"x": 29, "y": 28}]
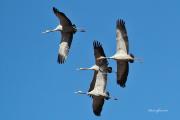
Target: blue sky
[{"x": 34, "y": 87}]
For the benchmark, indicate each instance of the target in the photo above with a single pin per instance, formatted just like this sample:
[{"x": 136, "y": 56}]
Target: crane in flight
[
  {"x": 67, "y": 30},
  {"x": 97, "y": 89}
]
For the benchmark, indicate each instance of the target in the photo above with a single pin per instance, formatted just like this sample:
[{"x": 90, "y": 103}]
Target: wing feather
[
  {"x": 99, "y": 52},
  {"x": 121, "y": 36},
  {"x": 98, "y": 102},
  {"x": 64, "y": 20},
  {"x": 122, "y": 72},
  {"x": 66, "y": 40},
  {"x": 99, "y": 81},
  {"x": 93, "y": 81}
]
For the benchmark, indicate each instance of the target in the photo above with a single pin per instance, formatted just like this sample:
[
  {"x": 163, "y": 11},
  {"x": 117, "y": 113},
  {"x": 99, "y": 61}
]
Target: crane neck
[{"x": 84, "y": 69}]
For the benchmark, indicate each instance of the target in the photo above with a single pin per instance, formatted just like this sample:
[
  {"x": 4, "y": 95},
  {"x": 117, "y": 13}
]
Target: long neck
[
  {"x": 94, "y": 67},
  {"x": 105, "y": 58},
  {"x": 58, "y": 28},
  {"x": 84, "y": 69},
  {"x": 109, "y": 57},
  {"x": 48, "y": 31},
  {"x": 80, "y": 92}
]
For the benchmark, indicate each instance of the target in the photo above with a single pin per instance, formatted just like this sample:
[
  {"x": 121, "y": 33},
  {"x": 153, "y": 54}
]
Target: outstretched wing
[
  {"x": 64, "y": 46},
  {"x": 122, "y": 72},
  {"x": 98, "y": 102},
  {"x": 93, "y": 81},
  {"x": 99, "y": 52},
  {"x": 64, "y": 20},
  {"x": 121, "y": 36},
  {"x": 99, "y": 81}
]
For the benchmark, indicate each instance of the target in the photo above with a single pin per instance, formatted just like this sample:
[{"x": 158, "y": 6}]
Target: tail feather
[
  {"x": 74, "y": 27},
  {"x": 108, "y": 94},
  {"x": 81, "y": 30},
  {"x": 132, "y": 61},
  {"x": 78, "y": 29}
]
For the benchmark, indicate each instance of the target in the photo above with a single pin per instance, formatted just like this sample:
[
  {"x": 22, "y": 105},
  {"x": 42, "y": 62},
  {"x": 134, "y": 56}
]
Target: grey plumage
[
  {"x": 122, "y": 44},
  {"x": 66, "y": 35},
  {"x": 98, "y": 101}
]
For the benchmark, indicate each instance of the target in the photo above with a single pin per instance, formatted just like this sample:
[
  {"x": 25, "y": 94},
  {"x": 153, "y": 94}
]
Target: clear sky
[{"x": 34, "y": 87}]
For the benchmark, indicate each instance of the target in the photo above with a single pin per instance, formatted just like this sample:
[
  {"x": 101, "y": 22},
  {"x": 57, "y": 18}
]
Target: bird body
[
  {"x": 98, "y": 85},
  {"x": 122, "y": 55},
  {"x": 122, "y": 43},
  {"x": 67, "y": 30}
]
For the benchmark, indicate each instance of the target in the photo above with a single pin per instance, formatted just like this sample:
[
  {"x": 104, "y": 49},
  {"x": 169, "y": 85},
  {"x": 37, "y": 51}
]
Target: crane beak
[
  {"x": 82, "y": 68},
  {"x": 47, "y": 31},
  {"x": 80, "y": 92}
]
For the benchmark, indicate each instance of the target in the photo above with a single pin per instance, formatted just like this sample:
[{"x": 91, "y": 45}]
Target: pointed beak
[
  {"x": 80, "y": 92},
  {"x": 82, "y": 68},
  {"x": 47, "y": 31}
]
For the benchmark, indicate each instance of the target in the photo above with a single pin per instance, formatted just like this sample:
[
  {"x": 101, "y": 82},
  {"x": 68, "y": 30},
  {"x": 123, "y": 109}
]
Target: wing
[
  {"x": 100, "y": 82},
  {"x": 64, "y": 46},
  {"x": 122, "y": 72},
  {"x": 98, "y": 102},
  {"x": 99, "y": 52},
  {"x": 93, "y": 81},
  {"x": 62, "y": 17},
  {"x": 121, "y": 36}
]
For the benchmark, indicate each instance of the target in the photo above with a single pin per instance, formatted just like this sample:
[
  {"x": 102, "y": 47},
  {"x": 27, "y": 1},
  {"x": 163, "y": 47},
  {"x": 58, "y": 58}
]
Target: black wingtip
[
  {"x": 60, "y": 59},
  {"x": 97, "y": 44},
  {"x": 55, "y": 10},
  {"x": 108, "y": 94},
  {"x": 121, "y": 83},
  {"x": 97, "y": 113},
  {"x": 131, "y": 61},
  {"x": 120, "y": 23}
]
